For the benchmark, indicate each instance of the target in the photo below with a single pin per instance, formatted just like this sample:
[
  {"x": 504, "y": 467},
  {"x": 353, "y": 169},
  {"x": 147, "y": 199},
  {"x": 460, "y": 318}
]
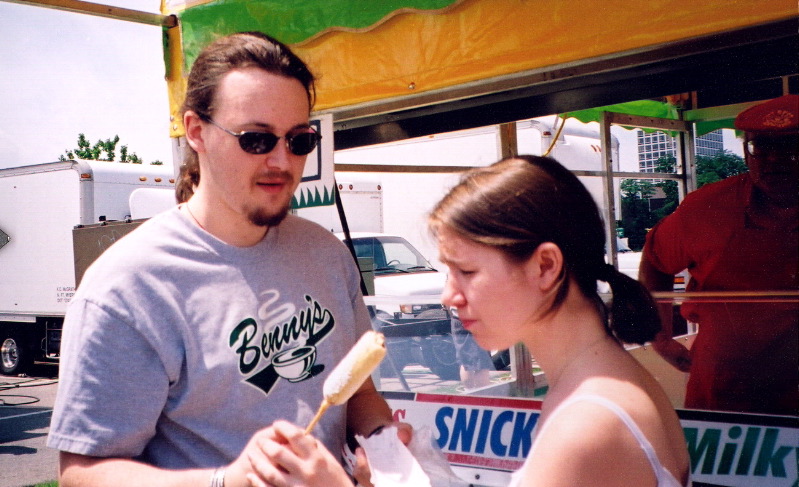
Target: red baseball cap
[{"x": 777, "y": 115}]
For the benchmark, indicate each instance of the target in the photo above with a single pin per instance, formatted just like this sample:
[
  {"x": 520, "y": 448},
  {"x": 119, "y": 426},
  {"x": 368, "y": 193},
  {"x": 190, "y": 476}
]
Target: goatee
[
  {"x": 266, "y": 218},
  {"x": 272, "y": 219}
]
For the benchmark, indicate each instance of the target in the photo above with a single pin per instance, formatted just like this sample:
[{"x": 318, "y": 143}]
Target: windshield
[{"x": 391, "y": 254}]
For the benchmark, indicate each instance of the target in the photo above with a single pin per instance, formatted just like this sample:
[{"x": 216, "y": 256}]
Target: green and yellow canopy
[{"x": 367, "y": 50}]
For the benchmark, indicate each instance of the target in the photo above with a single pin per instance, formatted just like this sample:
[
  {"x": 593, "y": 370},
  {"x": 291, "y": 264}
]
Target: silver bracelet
[{"x": 218, "y": 478}]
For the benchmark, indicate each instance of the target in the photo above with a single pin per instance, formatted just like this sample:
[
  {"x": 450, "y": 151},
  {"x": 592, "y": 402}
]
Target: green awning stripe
[
  {"x": 290, "y": 22},
  {"x": 643, "y": 108},
  {"x": 703, "y": 128},
  {"x": 648, "y": 108}
]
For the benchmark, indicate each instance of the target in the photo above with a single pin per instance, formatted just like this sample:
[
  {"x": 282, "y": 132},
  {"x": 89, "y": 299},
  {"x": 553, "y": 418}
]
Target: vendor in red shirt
[{"x": 739, "y": 234}]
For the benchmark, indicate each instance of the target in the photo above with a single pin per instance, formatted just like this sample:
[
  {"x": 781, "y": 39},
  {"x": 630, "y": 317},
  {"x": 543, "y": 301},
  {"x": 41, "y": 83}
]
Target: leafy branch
[{"x": 102, "y": 150}]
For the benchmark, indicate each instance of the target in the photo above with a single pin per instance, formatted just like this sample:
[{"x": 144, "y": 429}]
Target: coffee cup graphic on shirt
[{"x": 295, "y": 364}]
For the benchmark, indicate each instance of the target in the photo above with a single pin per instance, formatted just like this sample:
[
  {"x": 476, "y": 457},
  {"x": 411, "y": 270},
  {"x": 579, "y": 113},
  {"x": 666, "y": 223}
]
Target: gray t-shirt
[{"x": 178, "y": 347}]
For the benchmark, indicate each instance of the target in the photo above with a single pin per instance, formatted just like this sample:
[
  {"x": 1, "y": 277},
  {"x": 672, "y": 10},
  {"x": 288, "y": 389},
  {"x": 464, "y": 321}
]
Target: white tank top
[{"x": 664, "y": 477}]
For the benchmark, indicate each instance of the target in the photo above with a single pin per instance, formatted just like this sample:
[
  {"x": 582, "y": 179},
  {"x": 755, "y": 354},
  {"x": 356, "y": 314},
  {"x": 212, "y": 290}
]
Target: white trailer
[
  {"x": 39, "y": 207},
  {"x": 362, "y": 201},
  {"x": 408, "y": 195}
]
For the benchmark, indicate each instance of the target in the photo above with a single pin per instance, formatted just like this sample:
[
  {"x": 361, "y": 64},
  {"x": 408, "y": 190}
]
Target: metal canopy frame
[
  {"x": 685, "y": 160},
  {"x": 106, "y": 11}
]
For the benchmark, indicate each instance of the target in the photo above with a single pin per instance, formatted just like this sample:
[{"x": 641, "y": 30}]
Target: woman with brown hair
[{"x": 524, "y": 243}]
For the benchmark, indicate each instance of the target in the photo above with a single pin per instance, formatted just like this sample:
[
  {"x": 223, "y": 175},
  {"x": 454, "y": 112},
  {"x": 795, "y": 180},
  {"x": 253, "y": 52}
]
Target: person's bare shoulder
[{"x": 587, "y": 444}]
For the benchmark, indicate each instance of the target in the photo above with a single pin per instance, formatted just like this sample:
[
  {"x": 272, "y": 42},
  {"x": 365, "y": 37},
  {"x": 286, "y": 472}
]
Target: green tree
[
  {"x": 709, "y": 169},
  {"x": 102, "y": 150},
  {"x": 638, "y": 215},
  {"x": 669, "y": 187},
  {"x": 724, "y": 164}
]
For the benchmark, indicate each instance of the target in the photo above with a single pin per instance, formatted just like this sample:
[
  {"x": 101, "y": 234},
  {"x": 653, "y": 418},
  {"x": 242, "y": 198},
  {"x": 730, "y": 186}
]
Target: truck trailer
[{"x": 40, "y": 205}]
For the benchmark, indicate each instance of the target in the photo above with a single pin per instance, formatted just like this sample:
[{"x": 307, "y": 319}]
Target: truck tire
[
  {"x": 15, "y": 355},
  {"x": 441, "y": 358}
]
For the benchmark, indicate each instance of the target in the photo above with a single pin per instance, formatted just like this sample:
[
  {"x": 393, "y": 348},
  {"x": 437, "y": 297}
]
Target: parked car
[
  {"x": 417, "y": 329},
  {"x": 399, "y": 269}
]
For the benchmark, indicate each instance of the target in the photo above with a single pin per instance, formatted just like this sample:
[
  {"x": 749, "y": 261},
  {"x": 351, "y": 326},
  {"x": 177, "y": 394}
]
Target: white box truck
[
  {"x": 40, "y": 205},
  {"x": 408, "y": 195},
  {"x": 363, "y": 204}
]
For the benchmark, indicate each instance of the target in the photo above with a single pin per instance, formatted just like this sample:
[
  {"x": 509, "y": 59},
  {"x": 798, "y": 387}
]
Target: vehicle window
[
  {"x": 393, "y": 252},
  {"x": 364, "y": 247},
  {"x": 399, "y": 253}
]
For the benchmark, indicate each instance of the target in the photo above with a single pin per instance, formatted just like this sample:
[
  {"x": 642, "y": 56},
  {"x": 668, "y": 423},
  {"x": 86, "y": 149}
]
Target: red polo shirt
[{"x": 746, "y": 355}]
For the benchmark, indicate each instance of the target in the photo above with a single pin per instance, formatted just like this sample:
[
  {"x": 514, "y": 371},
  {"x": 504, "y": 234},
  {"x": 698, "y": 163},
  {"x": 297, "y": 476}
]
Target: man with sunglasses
[
  {"x": 212, "y": 320},
  {"x": 739, "y": 234}
]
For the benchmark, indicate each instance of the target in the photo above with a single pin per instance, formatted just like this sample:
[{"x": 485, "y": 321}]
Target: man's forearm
[
  {"x": 673, "y": 352},
  {"x": 85, "y": 471}
]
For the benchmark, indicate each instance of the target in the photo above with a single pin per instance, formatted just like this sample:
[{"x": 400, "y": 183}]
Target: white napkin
[
  {"x": 420, "y": 464},
  {"x": 391, "y": 463}
]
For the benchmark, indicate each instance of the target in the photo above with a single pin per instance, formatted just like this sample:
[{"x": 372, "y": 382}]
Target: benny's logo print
[
  {"x": 285, "y": 341},
  {"x": 296, "y": 364}
]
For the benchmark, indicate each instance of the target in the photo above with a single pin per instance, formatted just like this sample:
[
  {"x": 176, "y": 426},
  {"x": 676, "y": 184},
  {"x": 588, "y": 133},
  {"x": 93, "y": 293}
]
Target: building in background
[
  {"x": 654, "y": 145},
  {"x": 710, "y": 144}
]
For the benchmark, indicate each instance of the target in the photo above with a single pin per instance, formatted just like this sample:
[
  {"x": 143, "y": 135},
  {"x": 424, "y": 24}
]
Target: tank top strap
[
  {"x": 628, "y": 421},
  {"x": 664, "y": 477}
]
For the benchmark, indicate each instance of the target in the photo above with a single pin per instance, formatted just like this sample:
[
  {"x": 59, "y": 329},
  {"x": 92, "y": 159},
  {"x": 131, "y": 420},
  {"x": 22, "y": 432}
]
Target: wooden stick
[{"x": 322, "y": 408}]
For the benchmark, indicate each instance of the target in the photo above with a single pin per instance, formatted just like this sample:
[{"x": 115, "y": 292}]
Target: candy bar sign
[
  {"x": 486, "y": 438},
  {"x": 483, "y": 438},
  {"x": 741, "y": 449}
]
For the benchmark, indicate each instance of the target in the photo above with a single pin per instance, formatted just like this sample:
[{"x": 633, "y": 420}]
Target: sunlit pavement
[{"x": 26, "y": 403}]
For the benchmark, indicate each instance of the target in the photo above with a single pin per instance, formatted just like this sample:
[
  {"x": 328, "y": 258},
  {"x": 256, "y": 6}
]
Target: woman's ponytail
[{"x": 633, "y": 313}]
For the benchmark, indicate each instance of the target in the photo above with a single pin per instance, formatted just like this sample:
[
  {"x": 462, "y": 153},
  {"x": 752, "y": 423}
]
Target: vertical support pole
[
  {"x": 508, "y": 143},
  {"x": 521, "y": 363},
  {"x": 178, "y": 154},
  {"x": 686, "y": 161},
  {"x": 610, "y": 196}
]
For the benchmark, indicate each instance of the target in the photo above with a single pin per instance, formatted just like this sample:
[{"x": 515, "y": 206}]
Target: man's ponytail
[{"x": 188, "y": 179}]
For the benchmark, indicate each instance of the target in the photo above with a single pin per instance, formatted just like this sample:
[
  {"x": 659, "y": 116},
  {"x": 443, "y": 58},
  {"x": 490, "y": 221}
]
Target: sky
[{"x": 66, "y": 73}]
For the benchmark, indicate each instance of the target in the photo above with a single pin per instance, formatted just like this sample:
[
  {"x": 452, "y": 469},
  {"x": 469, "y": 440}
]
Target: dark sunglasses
[{"x": 300, "y": 144}]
